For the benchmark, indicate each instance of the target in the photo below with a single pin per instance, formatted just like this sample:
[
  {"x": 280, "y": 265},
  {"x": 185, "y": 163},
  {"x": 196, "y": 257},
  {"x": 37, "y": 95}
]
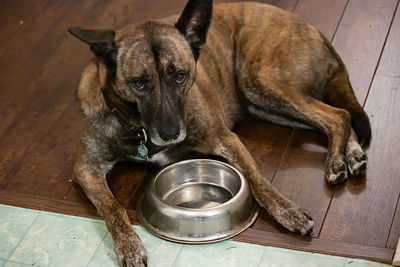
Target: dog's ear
[
  {"x": 194, "y": 23},
  {"x": 101, "y": 43}
]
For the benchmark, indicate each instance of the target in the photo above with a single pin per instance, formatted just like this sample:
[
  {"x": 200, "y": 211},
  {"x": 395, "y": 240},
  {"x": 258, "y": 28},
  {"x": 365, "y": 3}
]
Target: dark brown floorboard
[
  {"x": 40, "y": 123},
  {"x": 393, "y": 237},
  {"x": 376, "y": 202},
  {"x": 325, "y": 15},
  {"x": 360, "y": 37}
]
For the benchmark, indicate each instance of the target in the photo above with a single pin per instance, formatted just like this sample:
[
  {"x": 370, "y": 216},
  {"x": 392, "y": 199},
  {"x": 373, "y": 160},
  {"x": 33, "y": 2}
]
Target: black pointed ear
[
  {"x": 194, "y": 23},
  {"x": 101, "y": 43}
]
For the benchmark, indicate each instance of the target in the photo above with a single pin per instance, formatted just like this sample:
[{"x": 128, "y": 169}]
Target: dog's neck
[{"x": 114, "y": 103}]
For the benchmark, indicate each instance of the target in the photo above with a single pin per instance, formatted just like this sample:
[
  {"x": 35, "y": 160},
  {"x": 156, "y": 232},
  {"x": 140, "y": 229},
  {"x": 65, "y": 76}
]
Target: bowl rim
[{"x": 243, "y": 185}]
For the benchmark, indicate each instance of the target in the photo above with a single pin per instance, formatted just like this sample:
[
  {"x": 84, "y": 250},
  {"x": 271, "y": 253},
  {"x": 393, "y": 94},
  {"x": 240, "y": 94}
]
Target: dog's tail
[
  {"x": 343, "y": 97},
  {"x": 339, "y": 93}
]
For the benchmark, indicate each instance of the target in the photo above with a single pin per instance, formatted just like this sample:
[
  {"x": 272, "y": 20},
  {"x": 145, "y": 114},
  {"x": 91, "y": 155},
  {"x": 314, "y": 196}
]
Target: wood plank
[
  {"x": 48, "y": 204},
  {"x": 301, "y": 177},
  {"x": 46, "y": 96},
  {"x": 45, "y": 171},
  {"x": 266, "y": 142},
  {"x": 125, "y": 180},
  {"x": 322, "y": 14},
  {"x": 365, "y": 216},
  {"x": 55, "y": 205},
  {"x": 316, "y": 245},
  {"x": 27, "y": 52},
  {"x": 288, "y": 5},
  {"x": 360, "y": 37},
  {"x": 20, "y": 14},
  {"x": 394, "y": 234}
]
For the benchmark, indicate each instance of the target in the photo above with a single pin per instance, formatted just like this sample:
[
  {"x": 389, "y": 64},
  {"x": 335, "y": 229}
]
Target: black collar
[{"x": 135, "y": 133}]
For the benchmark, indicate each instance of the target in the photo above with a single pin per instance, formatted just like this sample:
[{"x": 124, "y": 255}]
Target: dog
[{"x": 164, "y": 90}]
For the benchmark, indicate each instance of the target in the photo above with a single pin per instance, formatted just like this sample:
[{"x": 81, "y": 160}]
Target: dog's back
[{"x": 247, "y": 41}]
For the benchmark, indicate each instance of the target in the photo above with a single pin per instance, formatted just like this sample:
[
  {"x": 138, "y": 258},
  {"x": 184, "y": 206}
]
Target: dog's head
[{"x": 152, "y": 65}]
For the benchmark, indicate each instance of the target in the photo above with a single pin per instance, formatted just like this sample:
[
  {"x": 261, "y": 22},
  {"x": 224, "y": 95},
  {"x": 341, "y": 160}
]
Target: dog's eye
[
  {"x": 138, "y": 84},
  {"x": 180, "y": 77}
]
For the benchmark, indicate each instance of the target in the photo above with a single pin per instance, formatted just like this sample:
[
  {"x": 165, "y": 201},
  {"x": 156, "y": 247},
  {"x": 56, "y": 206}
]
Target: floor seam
[
  {"x": 326, "y": 213},
  {"x": 340, "y": 20},
  {"x": 262, "y": 256},
  {"x": 295, "y": 6},
  {"x": 22, "y": 238},
  {"x": 283, "y": 155},
  {"x": 391, "y": 224},
  {"x": 177, "y": 255},
  {"x": 380, "y": 54},
  {"x": 91, "y": 258},
  {"x": 69, "y": 190}
]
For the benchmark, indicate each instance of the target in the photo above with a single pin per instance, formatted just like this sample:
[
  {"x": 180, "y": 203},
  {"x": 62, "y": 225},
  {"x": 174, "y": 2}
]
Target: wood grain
[
  {"x": 355, "y": 216},
  {"x": 316, "y": 245},
  {"x": 394, "y": 234},
  {"x": 360, "y": 38},
  {"x": 289, "y": 5},
  {"x": 266, "y": 142},
  {"x": 55, "y": 205},
  {"x": 28, "y": 51},
  {"x": 324, "y": 15},
  {"x": 47, "y": 94}
]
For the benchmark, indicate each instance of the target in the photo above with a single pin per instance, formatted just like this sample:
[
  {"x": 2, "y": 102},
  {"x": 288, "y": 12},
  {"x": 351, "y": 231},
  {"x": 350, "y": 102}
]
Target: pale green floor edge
[{"x": 38, "y": 238}]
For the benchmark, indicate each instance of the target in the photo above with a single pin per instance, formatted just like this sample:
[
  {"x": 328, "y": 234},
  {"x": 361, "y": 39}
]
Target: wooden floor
[{"x": 40, "y": 125}]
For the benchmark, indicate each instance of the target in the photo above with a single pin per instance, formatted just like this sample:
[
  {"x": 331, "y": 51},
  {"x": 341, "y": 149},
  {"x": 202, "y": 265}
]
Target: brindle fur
[{"x": 258, "y": 61}]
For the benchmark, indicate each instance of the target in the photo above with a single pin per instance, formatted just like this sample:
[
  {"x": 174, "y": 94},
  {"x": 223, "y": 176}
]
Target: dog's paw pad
[
  {"x": 356, "y": 159},
  {"x": 295, "y": 219},
  {"x": 336, "y": 170},
  {"x": 130, "y": 252}
]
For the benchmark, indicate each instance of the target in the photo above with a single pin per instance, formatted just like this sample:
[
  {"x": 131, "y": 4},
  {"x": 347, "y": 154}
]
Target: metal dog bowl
[{"x": 197, "y": 201}]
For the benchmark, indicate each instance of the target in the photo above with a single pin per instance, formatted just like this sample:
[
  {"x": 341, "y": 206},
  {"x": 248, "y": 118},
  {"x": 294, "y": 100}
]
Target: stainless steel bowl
[{"x": 197, "y": 201}]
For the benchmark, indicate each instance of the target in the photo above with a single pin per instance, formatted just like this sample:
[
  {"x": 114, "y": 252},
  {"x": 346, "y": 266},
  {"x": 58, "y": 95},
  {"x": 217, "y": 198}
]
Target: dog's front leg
[
  {"x": 284, "y": 211},
  {"x": 92, "y": 178}
]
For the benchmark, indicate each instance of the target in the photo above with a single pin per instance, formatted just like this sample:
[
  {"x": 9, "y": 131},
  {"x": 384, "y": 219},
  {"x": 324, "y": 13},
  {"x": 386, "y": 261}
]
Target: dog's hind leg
[
  {"x": 334, "y": 122},
  {"x": 92, "y": 179},
  {"x": 296, "y": 219},
  {"x": 339, "y": 93}
]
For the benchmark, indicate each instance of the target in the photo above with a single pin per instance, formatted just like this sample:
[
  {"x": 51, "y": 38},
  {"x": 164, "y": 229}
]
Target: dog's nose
[{"x": 169, "y": 130}]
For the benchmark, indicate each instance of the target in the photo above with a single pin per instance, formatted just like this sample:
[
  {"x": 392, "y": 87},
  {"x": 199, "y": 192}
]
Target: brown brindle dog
[{"x": 151, "y": 96}]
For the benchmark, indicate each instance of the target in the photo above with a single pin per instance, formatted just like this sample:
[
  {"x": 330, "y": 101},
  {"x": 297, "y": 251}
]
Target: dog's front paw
[
  {"x": 336, "y": 169},
  {"x": 129, "y": 251},
  {"x": 293, "y": 217}
]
